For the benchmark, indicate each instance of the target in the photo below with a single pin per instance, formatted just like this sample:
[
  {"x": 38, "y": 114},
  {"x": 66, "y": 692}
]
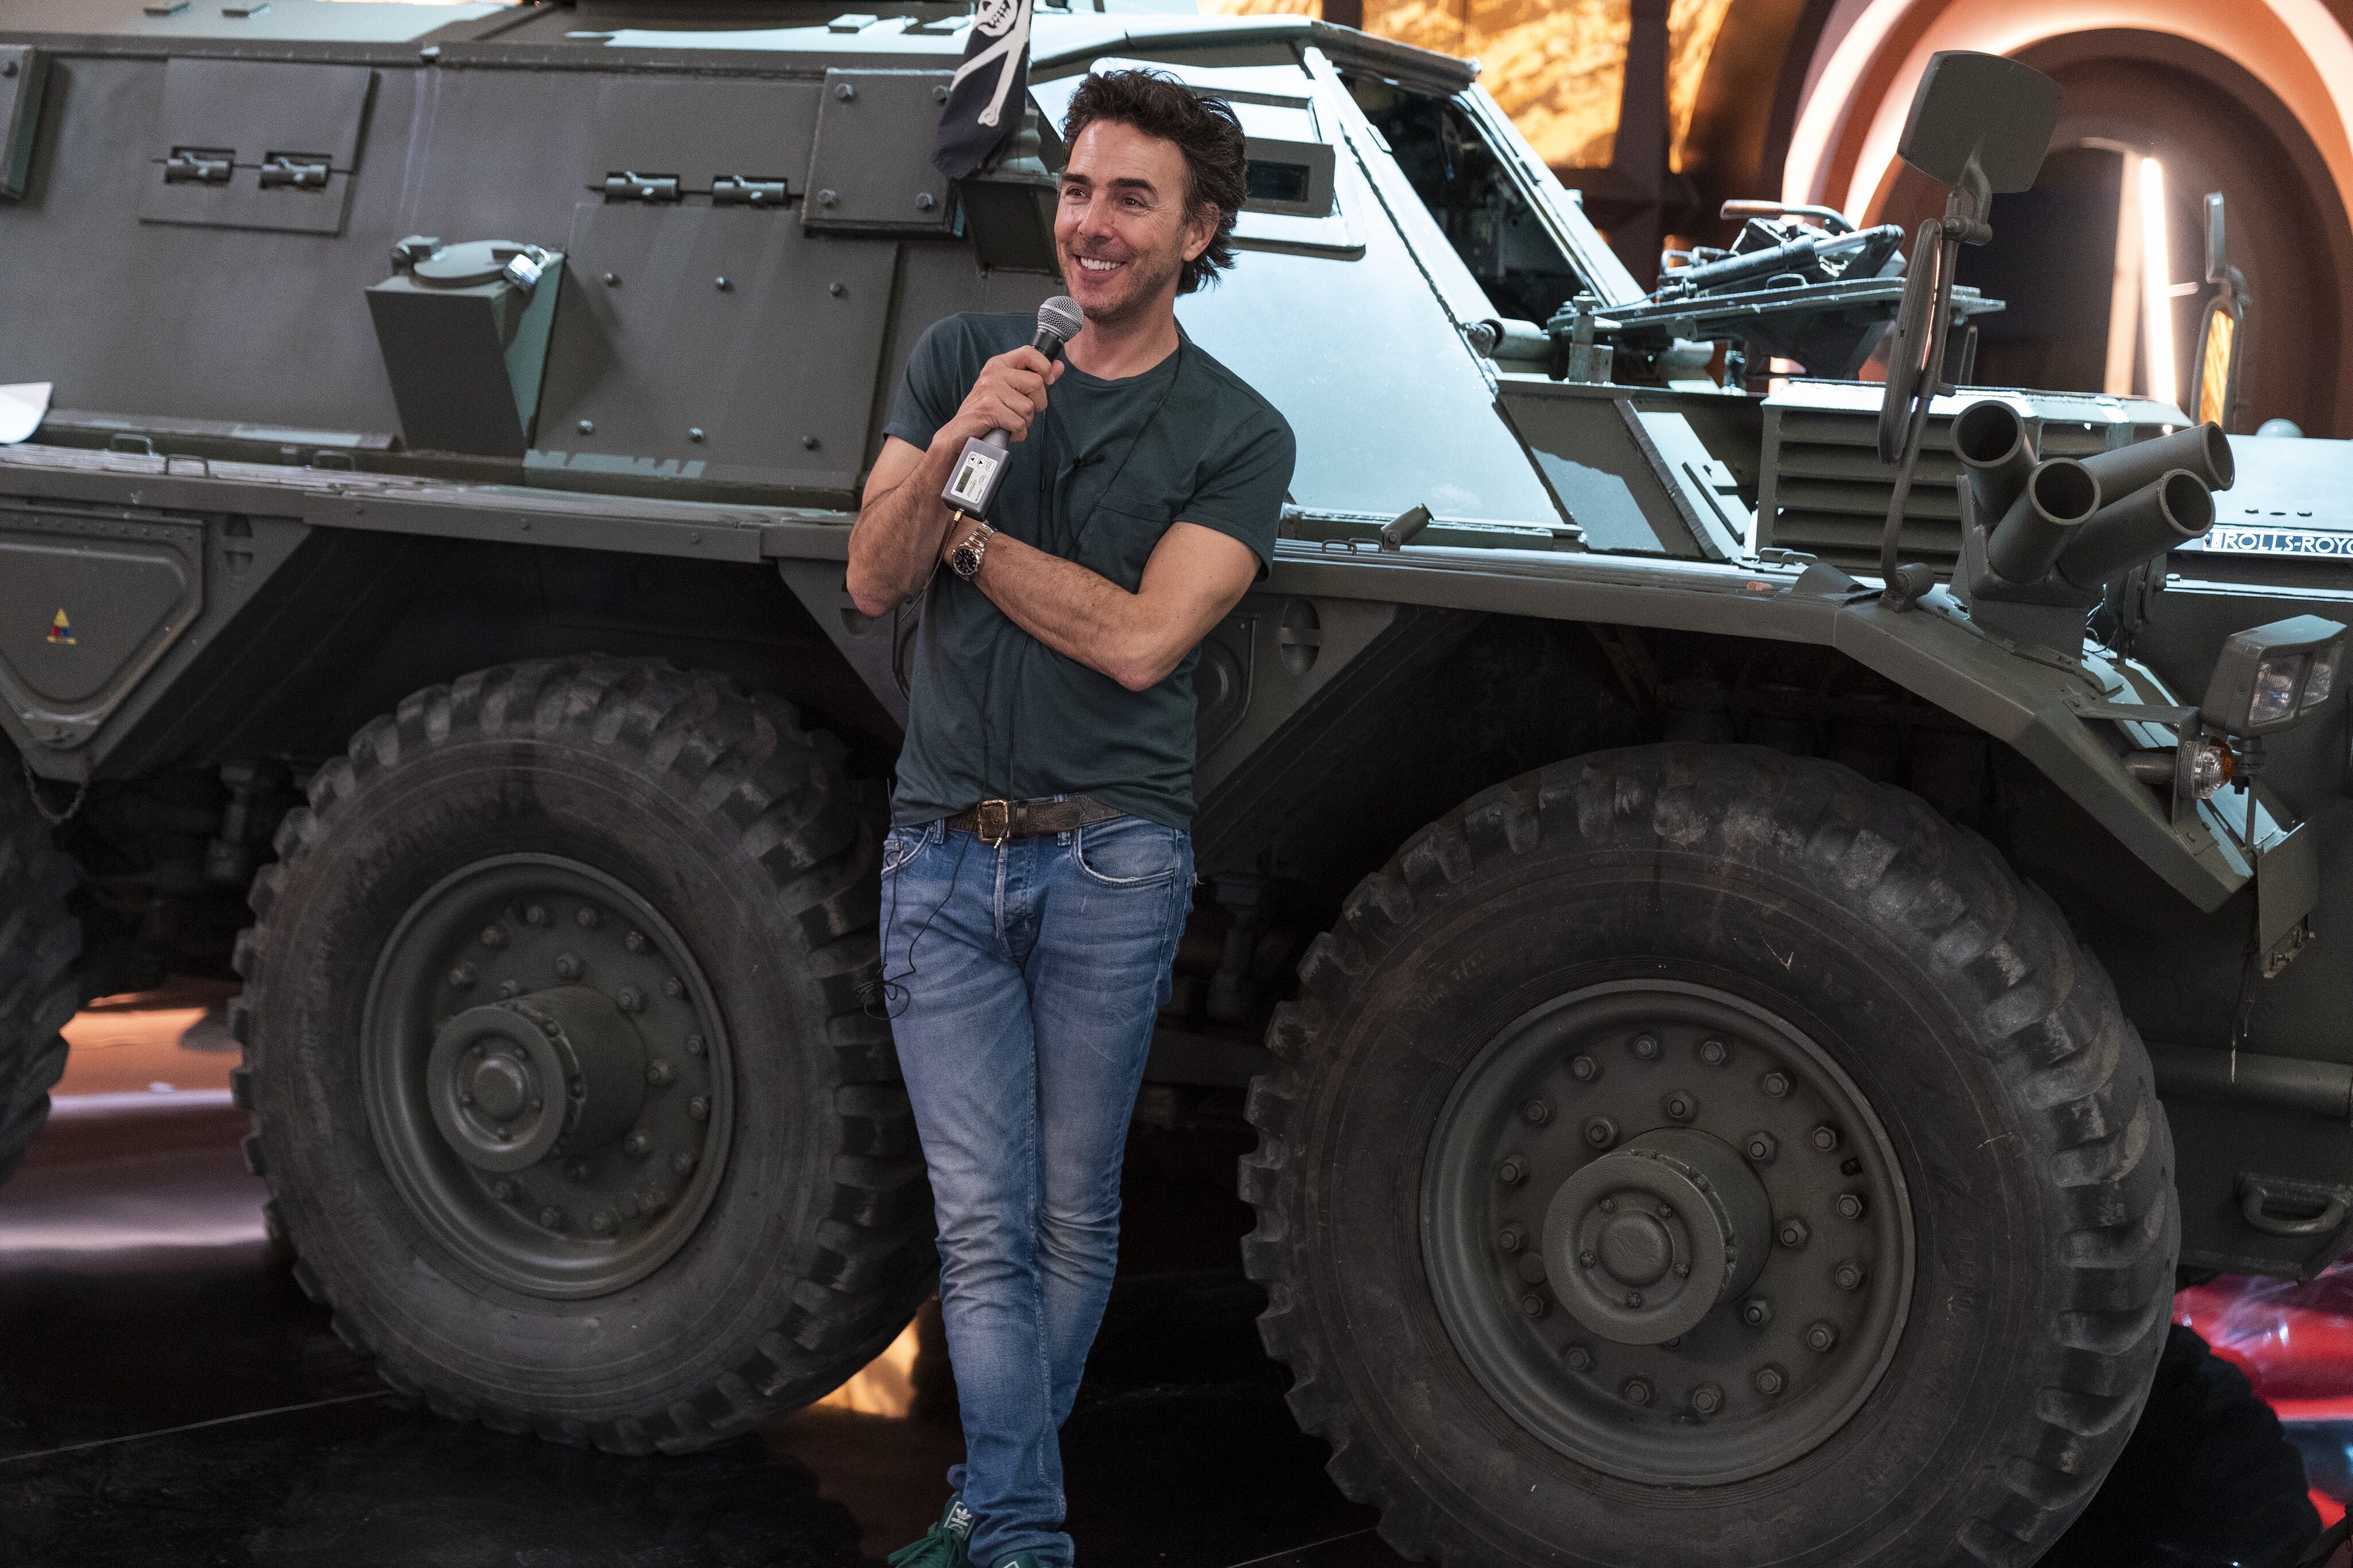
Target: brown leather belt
[{"x": 995, "y": 821}]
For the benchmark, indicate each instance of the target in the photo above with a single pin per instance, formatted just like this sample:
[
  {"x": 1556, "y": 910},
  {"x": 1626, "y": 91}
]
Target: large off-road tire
[
  {"x": 561, "y": 1077},
  {"x": 38, "y": 943},
  {"x": 1700, "y": 1155}
]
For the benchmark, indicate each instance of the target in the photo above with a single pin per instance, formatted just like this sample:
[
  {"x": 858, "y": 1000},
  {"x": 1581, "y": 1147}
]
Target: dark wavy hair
[{"x": 1217, "y": 167}]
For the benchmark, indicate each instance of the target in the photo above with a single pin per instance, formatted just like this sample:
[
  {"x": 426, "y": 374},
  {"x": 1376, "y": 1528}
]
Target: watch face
[{"x": 967, "y": 560}]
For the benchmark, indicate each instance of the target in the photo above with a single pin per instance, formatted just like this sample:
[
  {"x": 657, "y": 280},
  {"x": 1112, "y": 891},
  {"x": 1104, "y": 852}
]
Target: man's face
[{"x": 1122, "y": 229}]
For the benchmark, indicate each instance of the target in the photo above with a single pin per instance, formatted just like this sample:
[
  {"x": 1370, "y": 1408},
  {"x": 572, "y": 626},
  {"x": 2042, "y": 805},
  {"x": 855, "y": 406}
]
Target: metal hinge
[
  {"x": 295, "y": 171},
  {"x": 198, "y": 166},
  {"x": 628, "y": 186},
  {"x": 747, "y": 190}
]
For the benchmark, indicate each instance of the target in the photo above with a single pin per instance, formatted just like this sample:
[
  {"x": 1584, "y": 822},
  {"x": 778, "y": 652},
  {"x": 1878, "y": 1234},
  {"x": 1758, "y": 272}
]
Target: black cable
[{"x": 885, "y": 986}]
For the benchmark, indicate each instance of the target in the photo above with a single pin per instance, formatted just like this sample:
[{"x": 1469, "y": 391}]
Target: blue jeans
[{"x": 1031, "y": 975}]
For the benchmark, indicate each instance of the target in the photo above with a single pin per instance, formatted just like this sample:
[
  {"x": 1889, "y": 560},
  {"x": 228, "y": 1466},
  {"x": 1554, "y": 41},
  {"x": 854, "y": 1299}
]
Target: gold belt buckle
[{"x": 996, "y": 821}]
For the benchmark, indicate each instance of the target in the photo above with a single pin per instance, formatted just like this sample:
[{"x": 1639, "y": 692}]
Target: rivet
[
  {"x": 462, "y": 976},
  {"x": 1794, "y": 1233},
  {"x": 1683, "y": 1270},
  {"x": 535, "y": 916},
  {"x": 1584, "y": 1068},
  {"x": 844, "y": 90},
  {"x": 589, "y": 917},
  {"x": 1712, "y": 1053},
  {"x": 1647, "y": 1047},
  {"x": 1602, "y": 1132},
  {"x": 1536, "y": 1112},
  {"x": 810, "y": 443},
  {"x": 1851, "y": 1205},
  {"x": 566, "y": 966},
  {"x": 494, "y": 936},
  {"x": 681, "y": 1162},
  {"x": 1821, "y": 1336},
  {"x": 1634, "y": 1297},
  {"x": 636, "y": 1142},
  {"x": 1533, "y": 1304},
  {"x": 673, "y": 986},
  {"x": 550, "y": 1027},
  {"x": 1512, "y": 1171},
  {"x": 826, "y": 198},
  {"x": 1848, "y": 1276},
  {"x": 553, "y": 1218},
  {"x": 502, "y": 1189},
  {"x": 1578, "y": 1358},
  {"x": 630, "y": 999},
  {"x": 698, "y": 1108},
  {"x": 835, "y": 289},
  {"x": 694, "y": 432},
  {"x": 925, "y": 201},
  {"x": 1666, "y": 1211},
  {"x": 602, "y": 1222},
  {"x": 1636, "y": 1390},
  {"x": 635, "y": 941},
  {"x": 1826, "y": 1137},
  {"x": 722, "y": 284},
  {"x": 695, "y": 1047},
  {"x": 1757, "y": 1311},
  {"x": 1706, "y": 1399},
  {"x": 1511, "y": 1238},
  {"x": 939, "y": 95},
  {"x": 1588, "y": 1259},
  {"x": 587, "y": 428},
  {"x": 1769, "y": 1381},
  {"x": 510, "y": 989},
  {"x": 612, "y": 281},
  {"x": 1607, "y": 1206},
  {"x": 1761, "y": 1147},
  {"x": 1680, "y": 1107},
  {"x": 659, "y": 1070}
]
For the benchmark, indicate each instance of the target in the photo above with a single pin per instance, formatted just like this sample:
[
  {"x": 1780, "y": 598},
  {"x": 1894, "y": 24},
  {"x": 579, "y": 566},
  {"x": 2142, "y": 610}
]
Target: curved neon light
[{"x": 2319, "y": 34}]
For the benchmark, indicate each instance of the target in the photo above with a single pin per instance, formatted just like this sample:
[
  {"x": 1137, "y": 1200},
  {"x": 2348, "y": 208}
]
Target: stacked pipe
[{"x": 2054, "y": 524}]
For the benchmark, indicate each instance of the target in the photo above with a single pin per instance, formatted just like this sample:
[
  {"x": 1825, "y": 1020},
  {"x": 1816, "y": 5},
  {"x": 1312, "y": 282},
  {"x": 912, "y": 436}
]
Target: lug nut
[
  {"x": 1712, "y": 1053},
  {"x": 1851, "y": 1205},
  {"x": 1533, "y": 1304},
  {"x": 1578, "y": 1358},
  {"x": 1757, "y": 1311},
  {"x": 1777, "y": 1084},
  {"x": 1792, "y": 1233},
  {"x": 1666, "y": 1211},
  {"x": 578, "y": 1170},
  {"x": 1647, "y": 1047},
  {"x": 535, "y": 916},
  {"x": 1511, "y": 1238},
  {"x": 1706, "y": 1399},
  {"x": 1848, "y": 1276},
  {"x": 1536, "y": 1112},
  {"x": 1761, "y": 1147},
  {"x": 567, "y": 967},
  {"x": 588, "y": 918},
  {"x": 1682, "y": 1107},
  {"x": 1637, "y": 1390},
  {"x": 602, "y": 1222},
  {"x": 1633, "y": 1298},
  {"x": 1769, "y": 1381},
  {"x": 502, "y": 1189},
  {"x": 681, "y": 1162},
  {"x": 464, "y": 976},
  {"x": 635, "y": 941},
  {"x": 553, "y": 1218},
  {"x": 1821, "y": 1336},
  {"x": 673, "y": 987},
  {"x": 1588, "y": 1259},
  {"x": 1683, "y": 1269},
  {"x": 630, "y": 999},
  {"x": 1826, "y": 1138},
  {"x": 510, "y": 989},
  {"x": 1584, "y": 1068},
  {"x": 660, "y": 1071},
  {"x": 1602, "y": 1132},
  {"x": 1607, "y": 1206},
  {"x": 698, "y": 1108},
  {"x": 694, "y": 1045},
  {"x": 494, "y": 936},
  {"x": 636, "y": 1142}
]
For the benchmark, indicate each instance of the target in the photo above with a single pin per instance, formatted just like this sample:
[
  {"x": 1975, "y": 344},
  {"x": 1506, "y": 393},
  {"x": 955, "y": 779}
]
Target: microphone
[{"x": 972, "y": 483}]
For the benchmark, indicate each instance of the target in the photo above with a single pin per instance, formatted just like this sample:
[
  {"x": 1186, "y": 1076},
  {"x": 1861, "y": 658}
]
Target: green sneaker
[{"x": 943, "y": 1545}]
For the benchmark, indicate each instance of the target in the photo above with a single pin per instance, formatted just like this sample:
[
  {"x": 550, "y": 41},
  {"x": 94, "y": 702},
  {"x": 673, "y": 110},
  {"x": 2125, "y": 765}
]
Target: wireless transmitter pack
[{"x": 971, "y": 484}]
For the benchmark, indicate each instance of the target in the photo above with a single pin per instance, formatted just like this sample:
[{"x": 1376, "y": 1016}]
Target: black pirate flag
[{"x": 986, "y": 94}]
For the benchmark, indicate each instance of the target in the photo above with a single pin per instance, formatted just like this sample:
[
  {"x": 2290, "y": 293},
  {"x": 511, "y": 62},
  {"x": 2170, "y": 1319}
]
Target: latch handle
[
  {"x": 295, "y": 171},
  {"x": 628, "y": 186},
  {"x": 2257, "y": 1196},
  {"x": 198, "y": 166},
  {"x": 747, "y": 190}
]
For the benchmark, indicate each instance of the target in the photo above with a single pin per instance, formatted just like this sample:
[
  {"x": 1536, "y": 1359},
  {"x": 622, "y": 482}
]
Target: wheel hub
[
  {"x": 514, "y": 1081},
  {"x": 1666, "y": 1233},
  {"x": 1643, "y": 1243}
]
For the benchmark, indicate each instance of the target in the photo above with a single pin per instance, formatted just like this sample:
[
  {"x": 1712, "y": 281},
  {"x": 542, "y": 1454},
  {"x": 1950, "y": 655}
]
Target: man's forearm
[
  {"x": 1081, "y": 615},
  {"x": 898, "y": 538}
]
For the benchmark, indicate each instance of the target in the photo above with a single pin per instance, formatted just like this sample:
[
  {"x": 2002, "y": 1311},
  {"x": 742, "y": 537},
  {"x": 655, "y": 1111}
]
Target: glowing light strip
[{"x": 2157, "y": 284}]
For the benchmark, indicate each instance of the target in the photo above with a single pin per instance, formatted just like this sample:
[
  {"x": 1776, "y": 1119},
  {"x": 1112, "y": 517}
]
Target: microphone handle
[{"x": 972, "y": 486}]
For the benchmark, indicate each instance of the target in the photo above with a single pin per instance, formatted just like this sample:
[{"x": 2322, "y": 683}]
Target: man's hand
[{"x": 902, "y": 524}]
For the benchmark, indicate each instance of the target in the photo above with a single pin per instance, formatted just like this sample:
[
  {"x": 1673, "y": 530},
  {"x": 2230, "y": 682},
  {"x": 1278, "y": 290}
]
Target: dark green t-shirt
[{"x": 995, "y": 713}]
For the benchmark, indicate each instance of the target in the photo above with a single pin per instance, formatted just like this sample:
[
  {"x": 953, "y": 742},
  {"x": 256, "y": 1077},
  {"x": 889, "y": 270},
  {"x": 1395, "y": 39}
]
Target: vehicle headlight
[{"x": 2270, "y": 676}]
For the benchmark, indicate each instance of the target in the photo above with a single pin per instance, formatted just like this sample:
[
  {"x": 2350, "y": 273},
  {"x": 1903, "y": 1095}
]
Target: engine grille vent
[{"x": 1824, "y": 489}]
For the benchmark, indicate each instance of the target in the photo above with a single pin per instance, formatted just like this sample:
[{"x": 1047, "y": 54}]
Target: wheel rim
[
  {"x": 1666, "y": 1233},
  {"x": 547, "y": 1074}
]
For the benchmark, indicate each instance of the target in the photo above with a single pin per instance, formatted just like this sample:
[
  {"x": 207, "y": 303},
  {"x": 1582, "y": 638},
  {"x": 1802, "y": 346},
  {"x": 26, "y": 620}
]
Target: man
[{"x": 1040, "y": 869}]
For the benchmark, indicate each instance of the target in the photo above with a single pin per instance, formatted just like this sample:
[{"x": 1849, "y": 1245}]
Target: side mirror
[
  {"x": 1981, "y": 124},
  {"x": 2221, "y": 338}
]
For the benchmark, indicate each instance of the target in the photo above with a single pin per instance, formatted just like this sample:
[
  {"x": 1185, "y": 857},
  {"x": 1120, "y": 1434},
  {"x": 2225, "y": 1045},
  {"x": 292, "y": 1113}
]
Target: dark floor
[{"x": 168, "y": 1398}]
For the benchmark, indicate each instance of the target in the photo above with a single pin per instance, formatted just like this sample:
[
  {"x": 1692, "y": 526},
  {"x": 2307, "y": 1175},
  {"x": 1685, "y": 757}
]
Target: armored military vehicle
[{"x": 1737, "y": 1052}]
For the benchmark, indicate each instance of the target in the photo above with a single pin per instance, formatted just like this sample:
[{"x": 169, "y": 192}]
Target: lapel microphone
[{"x": 971, "y": 484}]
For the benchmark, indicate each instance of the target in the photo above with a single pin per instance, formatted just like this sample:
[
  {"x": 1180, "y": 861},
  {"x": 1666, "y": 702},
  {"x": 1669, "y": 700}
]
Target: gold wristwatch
[{"x": 966, "y": 558}]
